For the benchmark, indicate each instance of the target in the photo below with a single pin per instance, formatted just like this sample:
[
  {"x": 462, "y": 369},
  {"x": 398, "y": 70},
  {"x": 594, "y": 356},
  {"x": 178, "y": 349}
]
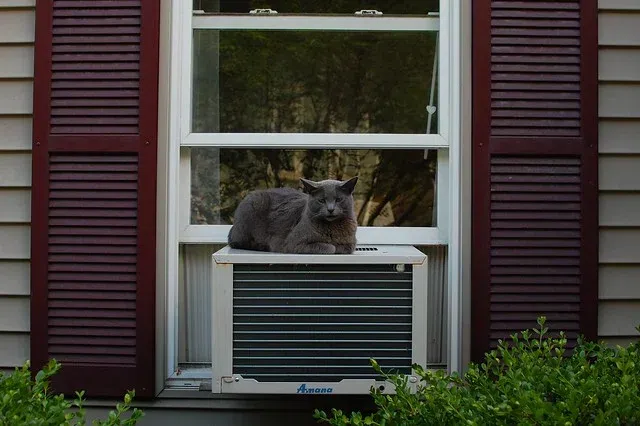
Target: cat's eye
[
  {"x": 322, "y": 200},
  {"x": 338, "y": 200}
]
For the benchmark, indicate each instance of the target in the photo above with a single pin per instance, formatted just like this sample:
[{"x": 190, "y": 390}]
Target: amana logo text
[{"x": 304, "y": 389}]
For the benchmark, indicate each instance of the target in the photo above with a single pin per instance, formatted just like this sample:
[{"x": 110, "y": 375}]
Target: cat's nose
[{"x": 331, "y": 208}]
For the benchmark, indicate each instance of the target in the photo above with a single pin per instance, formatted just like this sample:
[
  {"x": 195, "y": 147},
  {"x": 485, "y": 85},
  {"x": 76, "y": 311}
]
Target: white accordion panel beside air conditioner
[{"x": 286, "y": 323}]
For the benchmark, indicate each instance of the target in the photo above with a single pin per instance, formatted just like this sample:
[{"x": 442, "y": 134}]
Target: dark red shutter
[
  {"x": 535, "y": 205},
  {"x": 94, "y": 194}
]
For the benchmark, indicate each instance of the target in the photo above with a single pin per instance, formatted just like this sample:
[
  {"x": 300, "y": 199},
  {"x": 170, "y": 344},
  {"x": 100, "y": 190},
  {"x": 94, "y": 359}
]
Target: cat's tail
[
  {"x": 230, "y": 240},
  {"x": 235, "y": 240}
]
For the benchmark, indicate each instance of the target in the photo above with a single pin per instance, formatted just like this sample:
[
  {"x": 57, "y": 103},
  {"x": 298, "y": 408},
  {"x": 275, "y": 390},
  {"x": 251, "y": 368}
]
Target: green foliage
[
  {"x": 28, "y": 402},
  {"x": 528, "y": 381}
]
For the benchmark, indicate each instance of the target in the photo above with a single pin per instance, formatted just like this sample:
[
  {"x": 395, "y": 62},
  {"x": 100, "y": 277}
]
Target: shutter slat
[
  {"x": 93, "y": 294},
  {"x": 119, "y": 287}
]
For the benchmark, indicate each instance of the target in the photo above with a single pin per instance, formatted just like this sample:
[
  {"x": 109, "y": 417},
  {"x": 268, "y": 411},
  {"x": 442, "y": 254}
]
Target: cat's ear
[
  {"x": 309, "y": 185},
  {"x": 349, "y": 185}
]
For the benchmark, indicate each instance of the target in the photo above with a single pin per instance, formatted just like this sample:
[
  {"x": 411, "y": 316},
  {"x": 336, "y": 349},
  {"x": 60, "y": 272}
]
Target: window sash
[
  {"x": 436, "y": 235},
  {"x": 304, "y": 22},
  {"x": 315, "y": 140},
  {"x": 314, "y": 22}
]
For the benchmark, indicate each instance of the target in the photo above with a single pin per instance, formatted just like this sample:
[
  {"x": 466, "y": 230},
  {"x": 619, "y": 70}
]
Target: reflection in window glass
[
  {"x": 395, "y": 187},
  {"x": 387, "y": 7},
  {"x": 248, "y": 81}
]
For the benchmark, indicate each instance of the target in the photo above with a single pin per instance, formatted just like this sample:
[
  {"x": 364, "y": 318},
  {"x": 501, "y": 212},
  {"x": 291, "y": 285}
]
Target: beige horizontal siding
[
  {"x": 16, "y": 105},
  {"x": 619, "y": 282},
  {"x": 619, "y": 341},
  {"x": 17, "y": 26},
  {"x": 14, "y": 278},
  {"x": 15, "y": 169},
  {"x": 15, "y": 205},
  {"x": 619, "y": 136},
  {"x": 621, "y": 65},
  {"x": 618, "y": 318},
  {"x": 619, "y": 209},
  {"x": 619, "y": 100},
  {"x": 16, "y": 96},
  {"x": 14, "y": 349},
  {"x": 619, "y": 172},
  {"x": 14, "y": 242},
  {"x": 618, "y": 28},
  {"x": 17, "y": 3},
  {"x": 17, "y": 61},
  {"x": 619, "y": 245},
  {"x": 15, "y": 132},
  {"x": 14, "y": 314},
  {"x": 619, "y": 5}
]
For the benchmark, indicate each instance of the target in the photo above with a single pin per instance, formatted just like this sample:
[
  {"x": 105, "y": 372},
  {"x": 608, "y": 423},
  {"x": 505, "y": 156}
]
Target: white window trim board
[{"x": 449, "y": 143}]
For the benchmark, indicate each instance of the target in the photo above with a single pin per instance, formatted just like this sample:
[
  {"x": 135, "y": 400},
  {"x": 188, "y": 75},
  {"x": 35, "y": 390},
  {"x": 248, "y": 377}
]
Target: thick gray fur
[{"x": 320, "y": 220}]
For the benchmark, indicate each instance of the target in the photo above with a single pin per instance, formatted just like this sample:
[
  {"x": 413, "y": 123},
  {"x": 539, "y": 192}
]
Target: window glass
[
  {"x": 387, "y": 7},
  {"x": 395, "y": 187},
  {"x": 257, "y": 81}
]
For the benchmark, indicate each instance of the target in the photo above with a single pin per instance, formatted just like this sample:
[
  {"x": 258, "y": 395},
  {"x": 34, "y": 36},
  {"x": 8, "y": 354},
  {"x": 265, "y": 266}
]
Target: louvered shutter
[
  {"x": 535, "y": 206},
  {"x": 93, "y": 201}
]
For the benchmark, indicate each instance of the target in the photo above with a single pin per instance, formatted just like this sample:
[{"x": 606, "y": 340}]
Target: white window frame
[{"x": 447, "y": 231}]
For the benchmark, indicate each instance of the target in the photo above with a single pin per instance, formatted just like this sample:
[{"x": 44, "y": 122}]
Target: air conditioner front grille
[{"x": 321, "y": 322}]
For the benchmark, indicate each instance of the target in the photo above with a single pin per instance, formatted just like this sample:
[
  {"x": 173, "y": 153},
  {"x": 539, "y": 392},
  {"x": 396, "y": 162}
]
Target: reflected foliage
[
  {"x": 313, "y": 81},
  {"x": 396, "y": 187}
]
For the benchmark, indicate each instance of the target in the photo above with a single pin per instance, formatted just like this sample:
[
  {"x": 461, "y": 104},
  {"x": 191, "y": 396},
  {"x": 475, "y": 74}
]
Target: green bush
[
  {"x": 529, "y": 381},
  {"x": 24, "y": 401}
]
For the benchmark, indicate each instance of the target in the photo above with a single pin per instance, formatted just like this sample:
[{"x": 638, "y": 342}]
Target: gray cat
[{"x": 320, "y": 220}]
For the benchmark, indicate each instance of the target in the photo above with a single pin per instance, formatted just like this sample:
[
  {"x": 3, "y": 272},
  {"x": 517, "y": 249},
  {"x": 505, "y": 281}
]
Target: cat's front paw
[
  {"x": 316, "y": 248},
  {"x": 345, "y": 248},
  {"x": 323, "y": 248}
]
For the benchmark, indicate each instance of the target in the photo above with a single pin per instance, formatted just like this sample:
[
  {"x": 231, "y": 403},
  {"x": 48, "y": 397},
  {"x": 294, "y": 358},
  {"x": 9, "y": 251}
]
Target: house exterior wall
[
  {"x": 619, "y": 176},
  {"x": 17, "y": 29},
  {"x": 619, "y": 169}
]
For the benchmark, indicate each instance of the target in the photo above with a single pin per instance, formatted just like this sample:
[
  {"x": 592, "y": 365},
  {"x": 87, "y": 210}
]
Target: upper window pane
[
  {"x": 257, "y": 81},
  {"x": 387, "y": 7}
]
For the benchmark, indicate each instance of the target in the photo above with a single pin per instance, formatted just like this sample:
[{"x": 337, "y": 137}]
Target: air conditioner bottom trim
[{"x": 238, "y": 384}]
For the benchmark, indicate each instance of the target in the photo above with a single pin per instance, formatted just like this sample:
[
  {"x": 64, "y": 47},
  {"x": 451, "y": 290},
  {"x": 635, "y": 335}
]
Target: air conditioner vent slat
[
  {"x": 322, "y": 328},
  {"x": 338, "y": 318},
  {"x": 313, "y": 377},
  {"x": 281, "y": 326},
  {"x": 266, "y": 359},
  {"x": 294, "y": 344}
]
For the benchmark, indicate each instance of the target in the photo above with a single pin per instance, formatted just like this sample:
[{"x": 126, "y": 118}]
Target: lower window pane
[{"x": 395, "y": 187}]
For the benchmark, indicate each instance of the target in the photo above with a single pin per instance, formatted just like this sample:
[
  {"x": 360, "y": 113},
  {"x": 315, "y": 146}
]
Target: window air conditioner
[{"x": 286, "y": 323}]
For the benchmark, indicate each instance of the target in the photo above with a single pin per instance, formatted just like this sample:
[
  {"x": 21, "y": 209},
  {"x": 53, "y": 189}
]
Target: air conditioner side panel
[
  {"x": 419, "y": 312},
  {"x": 222, "y": 324}
]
